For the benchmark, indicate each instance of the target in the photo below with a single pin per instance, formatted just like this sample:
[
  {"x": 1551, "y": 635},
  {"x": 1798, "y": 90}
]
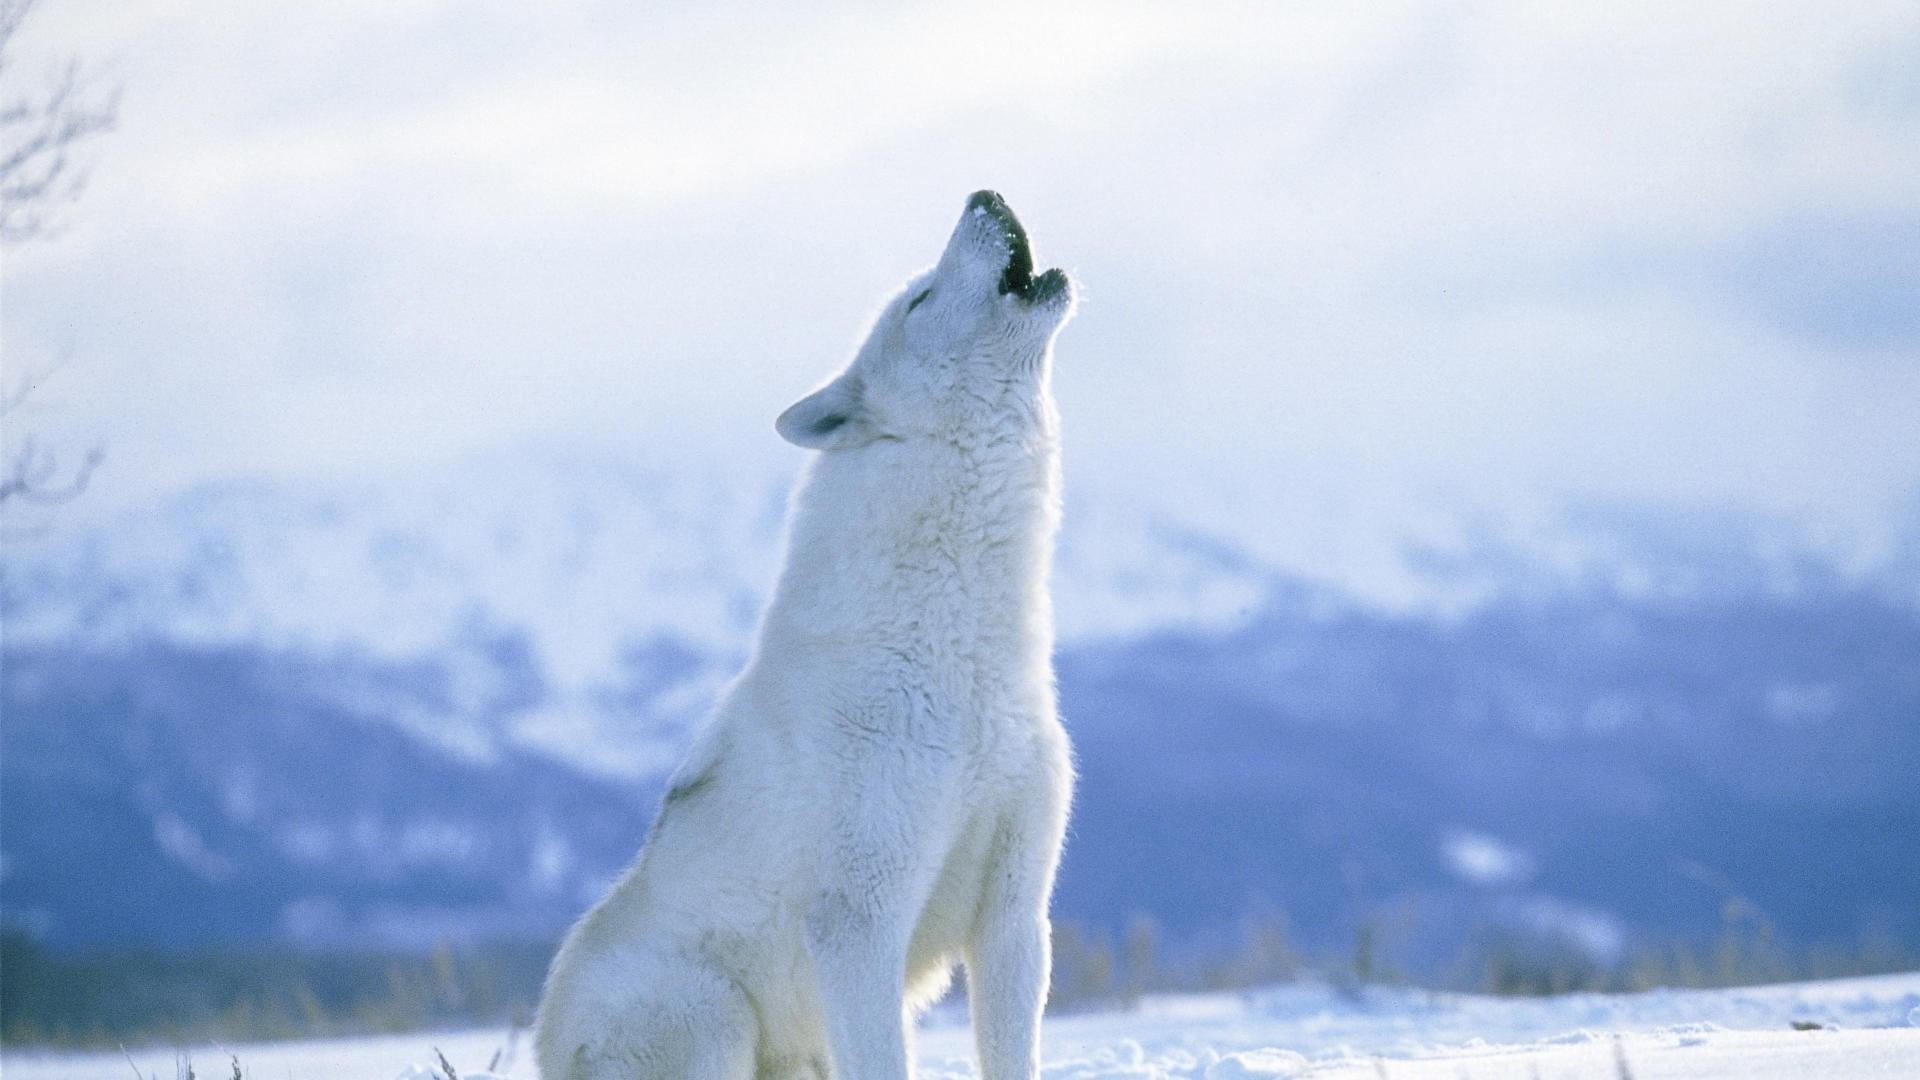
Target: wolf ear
[{"x": 831, "y": 418}]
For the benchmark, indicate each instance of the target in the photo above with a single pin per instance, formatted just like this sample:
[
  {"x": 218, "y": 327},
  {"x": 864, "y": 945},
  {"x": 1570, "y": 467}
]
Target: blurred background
[{"x": 1492, "y": 544}]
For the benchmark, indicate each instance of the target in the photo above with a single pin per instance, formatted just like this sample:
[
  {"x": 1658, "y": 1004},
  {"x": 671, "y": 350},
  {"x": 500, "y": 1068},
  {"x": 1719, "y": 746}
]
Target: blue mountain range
[{"x": 1582, "y": 762}]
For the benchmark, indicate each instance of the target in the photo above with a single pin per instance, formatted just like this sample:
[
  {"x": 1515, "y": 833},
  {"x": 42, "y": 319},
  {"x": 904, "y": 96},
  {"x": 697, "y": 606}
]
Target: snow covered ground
[{"x": 1867, "y": 1027}]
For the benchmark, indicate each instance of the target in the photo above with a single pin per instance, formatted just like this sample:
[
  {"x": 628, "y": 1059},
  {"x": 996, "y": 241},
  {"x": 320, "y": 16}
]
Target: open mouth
[{"x": 1018, "y": 278}]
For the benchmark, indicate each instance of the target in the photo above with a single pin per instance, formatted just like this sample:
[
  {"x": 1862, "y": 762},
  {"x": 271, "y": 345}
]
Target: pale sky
[{"x": 1652, "y": 252}]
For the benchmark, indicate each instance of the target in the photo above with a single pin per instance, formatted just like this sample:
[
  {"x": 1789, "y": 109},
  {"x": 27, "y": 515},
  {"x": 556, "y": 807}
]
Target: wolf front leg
[
  {"x": 1010, "y": 958},
  {"x": 859, "y": 957},
  {"x": 887, "y": 831}
]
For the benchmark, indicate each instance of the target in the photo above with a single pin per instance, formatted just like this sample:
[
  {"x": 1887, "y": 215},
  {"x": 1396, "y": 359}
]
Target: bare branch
[
  {"x": 12, "y": 14},
  {"x": 40, "y": 133},
  {"x": 40, "y": 176},
  {"x": 30, "y": 473}
]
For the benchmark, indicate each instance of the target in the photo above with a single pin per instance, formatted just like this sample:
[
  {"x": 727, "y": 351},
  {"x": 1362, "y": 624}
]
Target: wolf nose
[{"x": 991, "y": 200}]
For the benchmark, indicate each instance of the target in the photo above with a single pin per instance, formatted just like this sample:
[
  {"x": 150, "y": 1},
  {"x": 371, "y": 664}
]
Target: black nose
[{"x": 989, "y": 199}]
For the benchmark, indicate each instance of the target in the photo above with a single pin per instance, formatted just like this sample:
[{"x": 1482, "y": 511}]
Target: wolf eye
[{"x": 915, "y": 302}]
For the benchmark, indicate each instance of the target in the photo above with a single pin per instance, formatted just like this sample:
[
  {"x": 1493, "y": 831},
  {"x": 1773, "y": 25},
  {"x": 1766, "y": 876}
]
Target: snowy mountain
[
  {"x": 632, "y": 586},
  {"x": 442, "y": 707}
]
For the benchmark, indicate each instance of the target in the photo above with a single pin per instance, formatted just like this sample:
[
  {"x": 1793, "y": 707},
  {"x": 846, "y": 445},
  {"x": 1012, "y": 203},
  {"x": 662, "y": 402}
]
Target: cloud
[
  {"x": 1848, "y": 280},
  {"x": 1460, "y": 251}
]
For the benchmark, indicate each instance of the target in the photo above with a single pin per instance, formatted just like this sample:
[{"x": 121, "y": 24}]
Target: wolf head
[{"x": 965, "y": 346}]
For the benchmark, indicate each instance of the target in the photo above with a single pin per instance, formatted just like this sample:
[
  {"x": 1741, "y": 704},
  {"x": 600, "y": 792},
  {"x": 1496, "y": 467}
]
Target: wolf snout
[
  {"x": 987, "y": 200},
  {"x": 1016, "y": 276},
  {"x": 988, "y": 217}
]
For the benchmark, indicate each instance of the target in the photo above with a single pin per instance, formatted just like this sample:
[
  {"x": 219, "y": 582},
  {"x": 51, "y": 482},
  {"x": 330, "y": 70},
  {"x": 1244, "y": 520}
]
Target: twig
[{"x": 1620, "y": 1059}]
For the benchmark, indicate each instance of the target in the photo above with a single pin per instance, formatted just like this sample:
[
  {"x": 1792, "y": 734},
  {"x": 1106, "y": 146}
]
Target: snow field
[{"x": 1867, "y": 1027}]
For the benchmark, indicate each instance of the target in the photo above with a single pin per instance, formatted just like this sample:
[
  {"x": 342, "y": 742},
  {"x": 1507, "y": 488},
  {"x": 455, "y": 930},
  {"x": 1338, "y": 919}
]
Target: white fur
[{"x": 882, "y": 793}]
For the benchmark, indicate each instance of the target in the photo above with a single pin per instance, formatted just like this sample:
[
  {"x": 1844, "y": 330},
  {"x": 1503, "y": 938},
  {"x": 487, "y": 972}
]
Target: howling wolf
[{"x": 882, "y": 793}]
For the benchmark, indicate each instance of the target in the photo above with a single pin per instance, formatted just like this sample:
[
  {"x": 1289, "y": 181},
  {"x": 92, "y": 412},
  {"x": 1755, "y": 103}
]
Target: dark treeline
[{"x": 105, "y": 998}]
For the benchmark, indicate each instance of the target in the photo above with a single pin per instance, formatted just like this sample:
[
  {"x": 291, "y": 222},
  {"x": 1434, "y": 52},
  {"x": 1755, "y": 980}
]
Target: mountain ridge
[{"x": 471, "y": 744}]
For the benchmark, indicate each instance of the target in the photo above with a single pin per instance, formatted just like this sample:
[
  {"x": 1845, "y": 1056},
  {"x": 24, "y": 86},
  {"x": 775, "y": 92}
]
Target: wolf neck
[{"x": 925, "y": 543}]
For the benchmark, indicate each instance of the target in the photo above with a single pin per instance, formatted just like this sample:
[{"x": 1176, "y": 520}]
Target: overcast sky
[{"x": 1656, "y": 252}]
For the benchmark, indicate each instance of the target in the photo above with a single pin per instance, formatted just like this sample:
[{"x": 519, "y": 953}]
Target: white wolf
[{"x": 882, "y": 793}]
